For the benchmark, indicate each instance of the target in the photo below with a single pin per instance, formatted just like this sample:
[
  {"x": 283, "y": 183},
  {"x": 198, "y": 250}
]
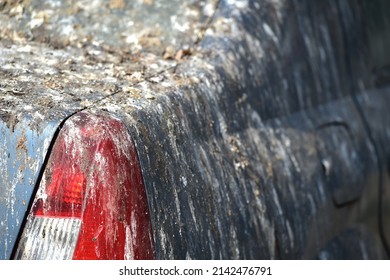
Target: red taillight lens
[{"x": 91, "y": 203}]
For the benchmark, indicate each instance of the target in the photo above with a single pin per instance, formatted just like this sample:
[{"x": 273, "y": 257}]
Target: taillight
[{"x": 91, "y": 202}]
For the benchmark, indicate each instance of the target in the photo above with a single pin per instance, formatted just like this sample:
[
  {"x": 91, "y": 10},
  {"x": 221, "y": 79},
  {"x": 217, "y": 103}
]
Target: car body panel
[
  {"x": 267, "y": 198},
  {"x": 23, "y": 151}
]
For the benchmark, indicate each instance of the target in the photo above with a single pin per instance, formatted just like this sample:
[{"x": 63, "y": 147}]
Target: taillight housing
[{"x": 91, "y": 201}]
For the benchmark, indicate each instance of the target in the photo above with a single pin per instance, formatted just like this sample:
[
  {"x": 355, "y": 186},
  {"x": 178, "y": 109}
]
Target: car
[{"x": 211, "y": 129}]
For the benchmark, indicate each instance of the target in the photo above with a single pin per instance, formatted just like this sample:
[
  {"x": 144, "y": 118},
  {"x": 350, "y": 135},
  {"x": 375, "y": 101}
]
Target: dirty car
[{"x": 212, "y": 129}]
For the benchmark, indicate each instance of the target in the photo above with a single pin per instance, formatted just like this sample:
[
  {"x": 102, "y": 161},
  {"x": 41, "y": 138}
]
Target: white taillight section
[
  {"x": 50, "y": 238},
  {"x": 91, "y": 202}
]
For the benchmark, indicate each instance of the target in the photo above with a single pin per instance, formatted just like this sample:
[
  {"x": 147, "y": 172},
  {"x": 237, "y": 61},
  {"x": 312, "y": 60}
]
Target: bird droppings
[{"x": 218, "y": 110}]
